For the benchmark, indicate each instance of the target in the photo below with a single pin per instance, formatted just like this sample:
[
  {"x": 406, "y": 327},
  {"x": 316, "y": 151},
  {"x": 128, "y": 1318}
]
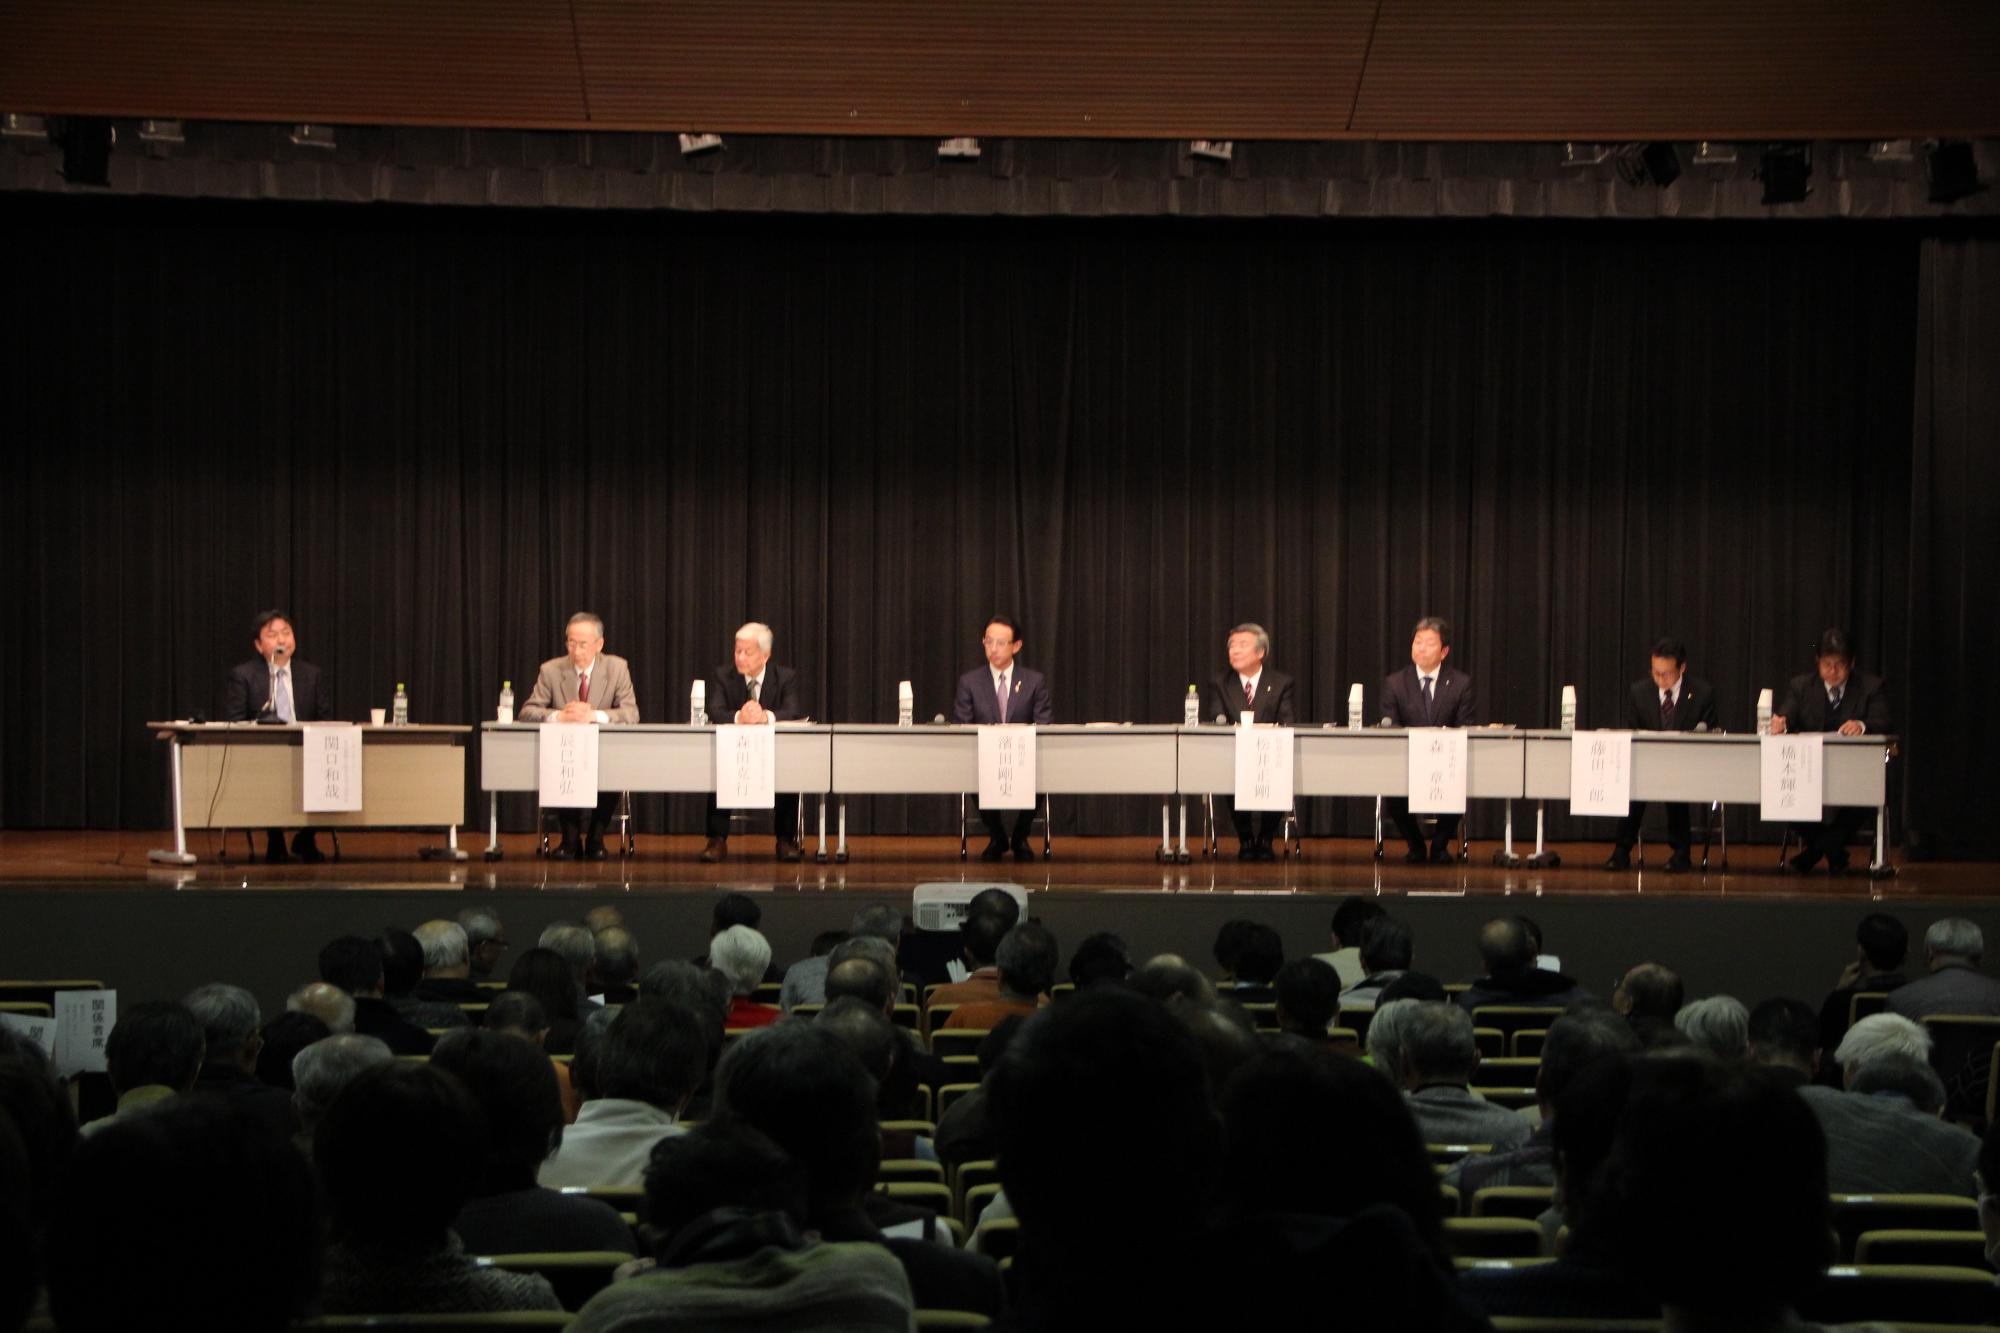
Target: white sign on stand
[
  {"x": 41, "y": 1031},
  {"x": 1007, "y": 768},
  {"x": 1437, "y": 757},
  {"x": 332, "y": 779},
  {"x": 568, "y": 763},
  {"x": 1600, "y": 773},
  {"x": 1793, "y": 781},
  {"x": 84, "y": 1019},
  {"x": 1264, "y": 768},
  {"x": 746, "y": 763}
]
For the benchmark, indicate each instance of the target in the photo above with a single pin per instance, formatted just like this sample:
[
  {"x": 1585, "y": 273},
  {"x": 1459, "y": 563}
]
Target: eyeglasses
[
  {"x": 578, "y": 643},
  {"x": 997, "y": 643}
]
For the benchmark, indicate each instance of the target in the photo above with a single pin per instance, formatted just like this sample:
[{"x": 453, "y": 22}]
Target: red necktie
[
  {"x": 1248, "y": 700},
  {"x": 583, "y": 687}
]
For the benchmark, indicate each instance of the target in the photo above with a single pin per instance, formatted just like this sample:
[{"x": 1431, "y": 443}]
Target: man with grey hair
[
  {"x": 1952, "y": 950},
  {"x": 447, "y": 965},
  {"x": 754, "y": 692},
  {"x": 485, "y": 942},
  {"x": 587, "y": 684},
  {"x": 805, "y": 980},
  {"x": 1718, "y": 1024},
  {"x": 232, "y": 1033},
  {"x": 1437, "y": 1057},
  {"x": 322, "y": 1069},
  {"x": 328, "y": 1003},
  {"x": 617, "y": 964},
  {"x": 1248, "y": 690},
  {"x": 1885, "y": 1134},
  {"x": 578, "y": 948},
  {"x": 741, "y": 954}
]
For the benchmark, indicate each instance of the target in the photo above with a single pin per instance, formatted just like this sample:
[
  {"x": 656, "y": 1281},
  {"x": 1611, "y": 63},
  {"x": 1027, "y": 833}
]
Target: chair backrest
[
  {"x": 1452, "y": 1200},
  {"x": 1514, "y": 1099},
  {"x": 1510, "y": 1018},
  {"x": 944, "y": 1321},
  {"x": 417, "y": 1323},
  {"x": 1444, "y": 1154},
  {"x": 576, "y": 1275},
  {"x": 1491, "y": 1043},
  {"x": 768, "y": 992},
  {"x": 1541, "y": 1324},
  {"x": 1528, "y": 1043},
  {"x": 1862, "y": 1003},
  {"x": 998, "y": 1239},
  {"x": 808, "y": 1012},
  {"x": 976, "y": 1199},
  {"x": 1358, "y": 1019},
  {"x": 43, "y": 991},
  {"x": 1927, "y": 1293},
  {"x": 28, "y": 1008},
  {"x": 907, "y": 1016},
  {"x": 1494, "y": 1237},
  {"x": 910, "y": 1169},
  {"x": 1856, "y": 1213},
  {"x": 950, "y": 1093},
  {"x": 1962, "y": 1054},
  {"x": 1506, "y": 1072},
  {"x": 958, "y": 1041},
  {"x": 931, "y": 1194},
  {"x": 1954, "y": 1249},
  {"x": 1265, "y": 1016},
  {"x": 935, "y": 1016},
  {"x": 985, "y": 1171},
  {"x": 1529, "y": 1201}
]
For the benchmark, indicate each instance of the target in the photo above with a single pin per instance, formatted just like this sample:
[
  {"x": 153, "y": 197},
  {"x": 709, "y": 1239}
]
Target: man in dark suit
[
  {"x": 756, "y": 692},
  {"x": 1671, "y": 701},
  {"x": 1426, "y": 693},
  {"x": 996, "y": 693},
  {"x": 1841, "y": 700},
  {"x": 277, "y": 688},
  {"x": 1267, "y": 697}
]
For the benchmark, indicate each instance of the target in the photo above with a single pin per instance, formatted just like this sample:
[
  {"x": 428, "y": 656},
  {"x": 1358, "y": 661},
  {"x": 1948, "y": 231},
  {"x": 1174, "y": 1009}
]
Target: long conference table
[{"x": 1172, "y": 763}]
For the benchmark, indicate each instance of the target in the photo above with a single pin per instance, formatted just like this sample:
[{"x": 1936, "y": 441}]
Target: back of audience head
[
  {"x": 1718, "y": 1024},
  {"x": 485, "y": 939},
  {"x": 575, "y": 946},
  {"x": 1223, "y": 1031},
  {"x": 1904, "y": 1076},
  {"x": 601, "y": 918},
  {"x": 1878, "y": 1035},
  {"x": 325, "y": 1001},
  {"x": 880, "y": 921},
  {"x": 1100, "y": 957},
  {"x": 515, "y": 1087},
  {"x": 1506, "y": 946},
  {"x": 399, "y": 1153},
  {"x": 321, "y": 1070},
  {"x": 863, "y": 980},
  {"x": 861, "y": 1028},
  {"x": 1785, "y": 1033},
  {"x": 865, "y": 948},
  {"x": 517, "y": 1012},
  {"x": 1883, "y": 943},
  {"x": 742, "y": 955},
  {"x": 1386, "y": 1031},
  {"x": 154, "y": 1202},
  {"x": 354, "y": 965},
  {"x": 589, "y": 1045},
  {"x": 653, "y": 1052},
  {"x": 1534, "y": 930},
  {"x": 154, "y": 1043},
  {"x": 702, "y": 991},
  {"x": 1308, "y": 993},
  {"x": 283, "y": 1038},
  {"x": 1350, "y": 918},
  {"x": 617, "y": 952},
  {"x": 402, "y": 962},
  {"x": 1696, "y": 1131},
  {"x": 1953, "y": 939},
  {"x": 1027, "y": 960},
  {"x": 230, "y": 1022},
  {"x": 1412, "y": 986},
  {"x": 982, "y": 930},
  {"x": 720, "y": 1164},
  {"x": 1582, "y": 1037},
  {"x": 1437, "y": 1045},
  {"x": 447, "y": 948},
  {"x": 544, "y": 974},
  {"x": 734, "y": 909},
  {"x": 826, "y": 942},
  {"x": 1587, "y": 1110},
  {"x": 1387, "y": 945},
  {"x": 36, "y": 1102},
  {"x": 1250, "y": 952},
  {"x": 1294, "y": 1115},
  {"x": 800, "y": 1084},
  {"x": 1649, "y": 992},
  {"x": 1167, "y": 978}
]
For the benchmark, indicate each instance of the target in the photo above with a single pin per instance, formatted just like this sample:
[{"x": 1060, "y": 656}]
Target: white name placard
[
  {"x": 332, "y": 767},
  {"x": 568, "y": 763},
  {"x": 1600, "y": 773},
  {"x": 1792, "y": 785},
  {"x": 1437, "y": 771},
  {"x": 746, "y": 765},
  {"x": 1007, "y": 768},
  {"x": 84, "y": 1019},
  {"x": 41, "y": 1031},
  {"x": 1264, "y": 768}
]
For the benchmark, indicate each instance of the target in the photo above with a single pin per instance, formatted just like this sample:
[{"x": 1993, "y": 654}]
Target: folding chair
[
  {"x": 1962, "y": 1054},
  {"x": 1529, "y": 1201},
  {"x": 968, "y": 811},
  {"x": 576, "y": 1276},
  {"x": 626, "y": 846},
  {"x": 1927, "y": 1293},
  {"x": 1494, "y": 1237},
  {"x": 998, "y": 1239},
  {"x": 1511, "y": 1018},
  {"x": 1952, "y": 1249},
  {"x": 1211, "y": 835},
  {"x": 1854, "y": 1214}
]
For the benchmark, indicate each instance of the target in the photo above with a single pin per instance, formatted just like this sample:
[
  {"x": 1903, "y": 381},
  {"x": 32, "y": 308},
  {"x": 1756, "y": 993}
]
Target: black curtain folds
[{"x": 431, "y": 434}]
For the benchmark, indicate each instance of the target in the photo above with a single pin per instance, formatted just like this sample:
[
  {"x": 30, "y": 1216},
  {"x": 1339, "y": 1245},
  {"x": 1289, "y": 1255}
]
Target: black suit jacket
[
  {"x": 1864, "y": 701},
  {"x": 249, "y": 686},
  {"x": 1029, "y": 701},
  {"x": 727, "y": 693},
  {"x": 1697, "y": 704},
  {"x": 1403, "y": 699},
  {"x": 1224, "y": 698}
]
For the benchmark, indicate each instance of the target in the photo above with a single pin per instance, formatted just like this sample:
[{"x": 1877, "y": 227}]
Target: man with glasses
[
  {"x": 1001, "y": 692},
  {"x": 586, "y": 685}
]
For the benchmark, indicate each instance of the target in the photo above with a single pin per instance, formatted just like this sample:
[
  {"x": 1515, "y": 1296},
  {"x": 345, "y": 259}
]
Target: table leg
[
  {"x": 840, "y": 849},
  {"x": 1880, "y": 868},
  {"x": 180, "y": 855},
  {"x": 819, "y": 843},
  {"x": 493, "y": 848},
  {"x": 1183, "y": 855},
  {"x": 1506, "y": 855},
  {"x": 1543, "y": 857}
]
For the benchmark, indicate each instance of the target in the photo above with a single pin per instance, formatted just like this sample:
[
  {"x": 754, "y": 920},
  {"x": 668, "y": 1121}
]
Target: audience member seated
[
  {"x": 1649, "y": 995},
  {"x": 1884, "y": 1134},
  {"x": 705, "y": 993},
  {"x": 990, "y": 915},
  {"x": 650, "y": 1063},
  {"x": 355, "y": 965},
  {"x": 1349, "y": 919},
  {"x": 513, "y": 1085},
  {"x": 1387, "y": 950},
  {"x": 729, "y": 1206},
  {"x": 616, "y": 950},
  {"x": 1582, "y": 1038},
  {"x": 328, "y": 1003},
  {"x": 544, "y": 974},
  {"x": 1989, "y": 1202},
  {"x": 485, "y": 942},
  {"x": 1026, "y": 961},
  {"x": 1101, "y": 957},
  {"x": 1784, "y": 1037},
  {"x": 154, "y": 1052},
  {"x": 864, "y": 980},
  {"x": 1413, "y": 986},
  {"x": 1249, "y": 954},
  {"x": 1167, "y": 977},
  {"x": 1436, "y": 1056},
  {"x": 1308, "y": 994},
  {"x": 862, "y": 1028},
  {"x": 577, "y": 947},
  {"x": 402, "y": 973},
  {"x": 1508, "y": 948},
  {"x": 1881, "y": 943},
  {"x": 1718, "y": 1024},
  {"x": 1223, "y": 1032},
  {"x": 742, "y": 955},
  {"x": 964, "y": 1129},
  {"x": 230, "y": 1022},
  {"x": 321, "y": 1070},
  {"x": 193, "y": 1215},
  {"x": 805, "y": 980},
  {"x": 520, "y": 1014},
  {"x": 1954, "y": 985},
  {"x": 736, "y": 909},
  {"x": 802, "y": 1087},
  {"x": 284, "y": 1037},
  {"x": 447, "y": 966},
  {"x": 398, "y": 1156}
]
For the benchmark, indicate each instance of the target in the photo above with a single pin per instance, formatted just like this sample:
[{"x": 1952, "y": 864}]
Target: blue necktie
[{"x": 281, "y": 685}]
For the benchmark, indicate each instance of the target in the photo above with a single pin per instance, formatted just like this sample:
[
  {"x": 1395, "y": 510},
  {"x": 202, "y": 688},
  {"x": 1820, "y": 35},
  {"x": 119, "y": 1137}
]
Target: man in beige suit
[{"x": 587, "y": 685}]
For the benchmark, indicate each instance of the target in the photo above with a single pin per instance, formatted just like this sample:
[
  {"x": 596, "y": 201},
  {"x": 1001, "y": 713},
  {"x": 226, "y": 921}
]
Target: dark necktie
[
  {"x": 1833, "y": 700},
  {"x": 1249, "y": 696},
  {"x": 750, "y": 683},
  {"x": 583, "y": 687},
  {"x": 1667, "y": 711},
  {"x": 1429, "y": 699}
]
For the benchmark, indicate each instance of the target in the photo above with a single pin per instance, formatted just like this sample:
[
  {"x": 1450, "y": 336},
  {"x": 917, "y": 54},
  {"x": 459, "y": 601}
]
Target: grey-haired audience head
[
  {"x": 1954, "y": 940},
  {"x": 617, "y": 956},
  {"x": 1903, "y": 1075},
  {"x": 485, "y": 940},
  {"x": 743, "y": 955},
  {"x": 879, "y": 920},
  {"x": 1438, "y": 1045},
  {"x": 327, "y": 1002},
  {"x": 872, "y": 948},
  {"x": 1718, "y": 1024},
  {"x": 1386, "y": 1032},
  {"x": 322, "y": 1069},
  {"x": 699, "y": 989},
  {"x": 230, "y": 1020},
  {"x": 447, "y": 948},
  {"x": 574, "y": 945},
  {"x": 1880, "y": 1035}
]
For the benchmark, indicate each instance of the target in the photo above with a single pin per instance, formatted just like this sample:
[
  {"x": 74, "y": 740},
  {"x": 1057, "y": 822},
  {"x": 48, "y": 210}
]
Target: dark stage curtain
[{"x": 431, "y": 434}]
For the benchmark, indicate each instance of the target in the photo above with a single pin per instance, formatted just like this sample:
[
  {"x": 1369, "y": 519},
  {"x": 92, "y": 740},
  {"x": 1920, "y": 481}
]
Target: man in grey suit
[
  {"x": 1001, "y": 692},
  {"x": 587, "y": 685},
  {"x": 1434, "y": 1056},
  {"x": 1952, "y": 949}
]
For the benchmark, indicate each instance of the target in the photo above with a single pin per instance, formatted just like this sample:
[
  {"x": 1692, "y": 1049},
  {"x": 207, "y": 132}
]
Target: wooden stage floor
[{"x": 664, "y": 864}]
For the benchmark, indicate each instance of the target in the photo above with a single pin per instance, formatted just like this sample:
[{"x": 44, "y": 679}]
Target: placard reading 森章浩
[{"x": 1437, "y": 764}]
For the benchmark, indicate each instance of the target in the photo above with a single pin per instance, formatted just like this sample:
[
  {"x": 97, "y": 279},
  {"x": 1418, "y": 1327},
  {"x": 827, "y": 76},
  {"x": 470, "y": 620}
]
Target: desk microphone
[
  {"x": 1700, "y": 727},
  {"x": 1221, "y": 719},
  {"x": 1386, "y": 722},
  {"x": 938, "y": 721}
]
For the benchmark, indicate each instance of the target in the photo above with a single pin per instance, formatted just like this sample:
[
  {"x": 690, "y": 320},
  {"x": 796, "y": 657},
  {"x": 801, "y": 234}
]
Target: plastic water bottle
[
  {"x": 1569, "y": 708},
  {"x": 1354, "y": 706},
  {"x": 506, "y": 713},
  {"x": 698, "y": 704},
  {"x": 906, "y": 704},
  {"x": 1191, "y": 708},
  {"x": 399, "y": 713},
  {"x": 1763, "y": 712}
]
